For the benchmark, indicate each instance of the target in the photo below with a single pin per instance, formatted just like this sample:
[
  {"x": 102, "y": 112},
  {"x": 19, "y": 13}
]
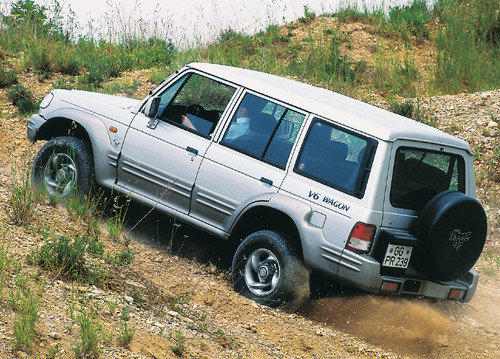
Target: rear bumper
[{"x": 364, "y": 272}]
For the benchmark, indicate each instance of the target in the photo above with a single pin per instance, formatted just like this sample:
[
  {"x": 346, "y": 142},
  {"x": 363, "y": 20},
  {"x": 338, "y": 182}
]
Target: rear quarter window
[
  {"x": 420, "y": 174},
  {"x": 336, "y": 157}
]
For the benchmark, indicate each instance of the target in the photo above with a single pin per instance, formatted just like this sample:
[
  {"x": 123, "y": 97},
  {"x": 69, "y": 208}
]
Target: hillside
[{"x": 159, "y": 289}]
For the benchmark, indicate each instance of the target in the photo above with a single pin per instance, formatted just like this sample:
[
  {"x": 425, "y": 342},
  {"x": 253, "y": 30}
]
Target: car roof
[{"x": 349, "y": 112}]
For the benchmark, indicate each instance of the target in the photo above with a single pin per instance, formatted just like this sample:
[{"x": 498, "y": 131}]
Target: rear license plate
[{"x": 397, "y": 256}]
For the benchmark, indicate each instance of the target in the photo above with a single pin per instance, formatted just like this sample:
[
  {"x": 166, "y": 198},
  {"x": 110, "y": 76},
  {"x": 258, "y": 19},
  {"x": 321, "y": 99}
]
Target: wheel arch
[
  {"x": 279, "y": 214},
  {"x": 62, "y": 126},
  {"x": 87, "y": 127}
]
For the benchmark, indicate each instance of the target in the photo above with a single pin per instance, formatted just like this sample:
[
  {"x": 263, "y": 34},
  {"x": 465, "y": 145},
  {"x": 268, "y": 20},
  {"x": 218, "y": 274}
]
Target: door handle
[
  {"x": 266, "y": 181},
  {"x": 192, "y": 150}
]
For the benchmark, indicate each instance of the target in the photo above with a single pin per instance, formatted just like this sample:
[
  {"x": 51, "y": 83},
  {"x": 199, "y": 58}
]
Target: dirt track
[{"x": 347, "y": 324}]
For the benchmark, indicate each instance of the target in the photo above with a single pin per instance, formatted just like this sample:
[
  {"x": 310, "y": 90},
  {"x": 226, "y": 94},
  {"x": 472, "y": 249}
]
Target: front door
[{"x": 161, "y": 156}]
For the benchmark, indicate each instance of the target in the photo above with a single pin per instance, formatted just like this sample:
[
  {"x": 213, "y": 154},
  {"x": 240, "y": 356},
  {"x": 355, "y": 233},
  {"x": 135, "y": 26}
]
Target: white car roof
[{"x": 352, "y": 113}]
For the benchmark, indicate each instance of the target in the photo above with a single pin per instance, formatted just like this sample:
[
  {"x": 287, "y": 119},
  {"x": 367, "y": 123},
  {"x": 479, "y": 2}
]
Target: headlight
[{"x": 47, "y": 100}]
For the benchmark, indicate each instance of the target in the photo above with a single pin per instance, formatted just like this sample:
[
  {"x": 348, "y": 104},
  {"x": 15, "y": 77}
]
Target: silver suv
[{"x": 300, "y": 178}]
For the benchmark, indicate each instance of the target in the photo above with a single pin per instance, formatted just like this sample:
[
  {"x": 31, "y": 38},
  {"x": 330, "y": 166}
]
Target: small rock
[
  {"x": 492, "y": 125},
  {"x": 172, "y": 313},
  {"x": 128, "y": 299},
  {"x": 55, "y": 335}
]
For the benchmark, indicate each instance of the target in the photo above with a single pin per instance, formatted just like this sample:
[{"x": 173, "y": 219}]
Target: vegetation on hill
[{"x": 464, "y": 38}]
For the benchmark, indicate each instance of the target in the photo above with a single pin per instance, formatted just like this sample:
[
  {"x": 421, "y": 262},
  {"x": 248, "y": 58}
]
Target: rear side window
[
  {"x": 421, "y": 174},
  {"x": 336, "y": 157},
  {"x": 263, "y": 129}
]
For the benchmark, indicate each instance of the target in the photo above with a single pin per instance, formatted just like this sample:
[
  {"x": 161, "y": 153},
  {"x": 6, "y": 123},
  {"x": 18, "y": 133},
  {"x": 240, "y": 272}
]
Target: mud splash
[{"x": 404, "y": 326}]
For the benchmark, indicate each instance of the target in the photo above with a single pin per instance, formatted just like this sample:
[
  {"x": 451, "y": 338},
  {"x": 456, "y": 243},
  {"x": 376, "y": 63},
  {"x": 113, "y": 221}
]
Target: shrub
[
  {"x": 308, "y": 17},
  {"x": 25, "y": 320},
  {"x": 410, "y": 20},
  {"x": 23, "y": 99},
  {"x": 7, "y": 77},
  {"x": 405, "y": 108},
  {"x": 468, "y": 46},
  {"x": 100, "y": 69},
  {"x": 343, "y": 68},
  {"x": 65, "y": 256},
  {"x": 39, "y": 59},
  {"x": 23, "y": 196},
  {"x": 126, "y": 334},
  {"x": 90, "y": 336}
]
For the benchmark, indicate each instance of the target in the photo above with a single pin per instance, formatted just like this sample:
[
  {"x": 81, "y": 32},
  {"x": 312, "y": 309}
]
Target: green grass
[
  {"x": 468, "y": 50},
  {"x": 179, "y": 346},
  {"x": 90, "y": 335},
  {"x": 23, "y": 197},
  {"x": 7, "y": 77},
  {"x": 25, "y": 304},
  {"x": 23, "y": 99},
  {"x": 468, "y": 46},
  {"x": 49, "y": 44}
]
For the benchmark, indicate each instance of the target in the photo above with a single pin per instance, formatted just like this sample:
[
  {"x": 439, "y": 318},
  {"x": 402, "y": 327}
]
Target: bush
[
  {"x": 39, "y": 59},
  {"x": 468, "y": 46},
  {"x": 23, "y": 99},
  {"x": 23, "y": 197},
  {"x": 7, "y": 77},
  {"x": 405, "y": 109},
  {"x": 65, "y": 256},
  {"x": 101, "y": 68},
  {"x": 410, "y": 19}
]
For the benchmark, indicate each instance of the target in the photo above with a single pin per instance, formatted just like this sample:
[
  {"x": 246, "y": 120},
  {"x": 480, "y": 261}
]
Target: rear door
[
  {"x": 161, "y": 156},
  {"x": 248, "y": 164},
  {"x": 416, "y": 174}
]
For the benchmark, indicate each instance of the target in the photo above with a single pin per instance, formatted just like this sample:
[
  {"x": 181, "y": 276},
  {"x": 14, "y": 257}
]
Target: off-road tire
[
  {"x": 268, "y": 269},
  {"x": 64, "y": 165}
]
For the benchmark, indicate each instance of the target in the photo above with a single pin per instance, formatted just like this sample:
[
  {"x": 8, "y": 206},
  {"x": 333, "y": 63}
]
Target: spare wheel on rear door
[{"x": 452, "y": 231}]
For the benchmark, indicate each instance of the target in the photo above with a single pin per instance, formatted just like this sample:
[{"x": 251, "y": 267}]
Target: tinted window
[
  {"x": 263, "y": 129},
  {"x": 420, "y": 174},
  {"x": 336, "y": 157},
  {"x": 195, "y": 102}
]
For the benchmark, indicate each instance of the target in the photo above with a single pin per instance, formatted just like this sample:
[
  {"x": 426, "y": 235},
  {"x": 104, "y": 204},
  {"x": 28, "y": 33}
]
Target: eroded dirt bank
[{"x": 180, "y": 284}]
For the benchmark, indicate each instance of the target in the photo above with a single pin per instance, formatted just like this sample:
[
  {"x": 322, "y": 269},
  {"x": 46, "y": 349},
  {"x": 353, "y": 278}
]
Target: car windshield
[{"x": 421, "y": 174}]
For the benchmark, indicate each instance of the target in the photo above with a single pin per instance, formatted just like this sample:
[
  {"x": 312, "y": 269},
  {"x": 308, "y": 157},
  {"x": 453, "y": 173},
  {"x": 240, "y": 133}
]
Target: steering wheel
[{"x": 194, "y": 110}]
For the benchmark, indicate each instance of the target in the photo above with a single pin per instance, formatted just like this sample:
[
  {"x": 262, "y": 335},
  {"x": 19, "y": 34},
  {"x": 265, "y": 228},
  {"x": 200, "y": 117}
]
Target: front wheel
[
  {"x": 267, "y": 269},
  {"x": 64, "y": 165}
]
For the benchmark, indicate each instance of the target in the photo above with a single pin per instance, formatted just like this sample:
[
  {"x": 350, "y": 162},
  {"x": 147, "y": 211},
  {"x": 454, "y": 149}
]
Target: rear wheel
[
  {"x": 64, "y": 165},
  {"x": 267, "y": 268}
]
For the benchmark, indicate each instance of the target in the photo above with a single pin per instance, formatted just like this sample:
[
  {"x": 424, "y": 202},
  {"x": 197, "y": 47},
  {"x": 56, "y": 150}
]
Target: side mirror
[{"x": 152, "y": 106}]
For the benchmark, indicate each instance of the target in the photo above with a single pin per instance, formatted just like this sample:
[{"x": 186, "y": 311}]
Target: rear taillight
[
  {"x": 390, "y": 287},
  {"x": 361, "y": 237},
  {"x": 456, "y": 294}
]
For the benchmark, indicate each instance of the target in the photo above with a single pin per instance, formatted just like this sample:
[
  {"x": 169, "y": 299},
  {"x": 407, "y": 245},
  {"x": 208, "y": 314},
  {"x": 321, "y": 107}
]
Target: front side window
[
  {"x": 336, "y": 157},
  {"x": 195, "y": 102},
  {"x": 421, "y": 174},
  {"x": 263, "y": 129}
]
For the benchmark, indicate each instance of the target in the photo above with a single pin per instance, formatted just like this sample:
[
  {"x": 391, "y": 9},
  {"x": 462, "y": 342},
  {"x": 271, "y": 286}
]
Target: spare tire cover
[{"x": 452, "y": 231}]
